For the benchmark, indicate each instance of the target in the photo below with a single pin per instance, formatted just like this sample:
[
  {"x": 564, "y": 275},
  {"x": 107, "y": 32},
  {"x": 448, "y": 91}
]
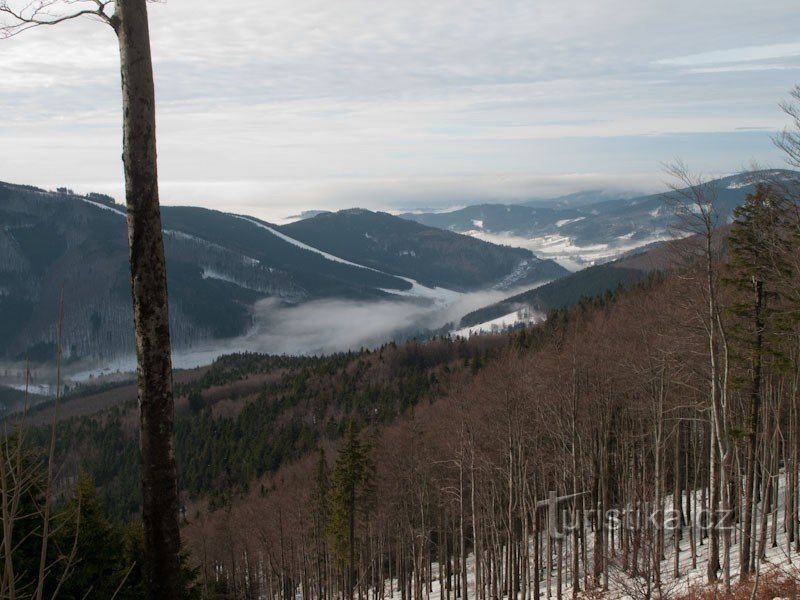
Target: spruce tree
[
  {"x": 99, "y": 568},
  {"x": 758, "y": 246},
  {"x": 350, "y": 499}
]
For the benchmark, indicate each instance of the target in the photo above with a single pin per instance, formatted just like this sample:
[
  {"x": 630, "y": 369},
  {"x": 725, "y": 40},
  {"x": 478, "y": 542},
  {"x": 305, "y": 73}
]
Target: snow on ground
[
  {"x": 180, "y": 235},
  {"x": 563, "y": 249},
  {"x": 499, "y": 324},
  {"x": 438, "y": 295},
  {"x": 563, "y": 222},
  {"x": 691, "y": 579},
  {"x": 209, "y": 273},
  {"x": 745, "y": 179},
  {"x": 41, "y": 389},
  {"x": 520, "y": 271},
  {"x": 212, "y": 274},
  {"x": 103, "y": 206},
  {"x": 300, "y": 244}
]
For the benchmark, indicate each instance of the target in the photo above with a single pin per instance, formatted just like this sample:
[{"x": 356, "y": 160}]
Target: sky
[{"x": 270, "y": 107}]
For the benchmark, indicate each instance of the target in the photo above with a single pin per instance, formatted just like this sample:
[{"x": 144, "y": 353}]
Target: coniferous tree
[
  {"x": 350, "y": 499},
  {"x": 758, "y": 246},
  {"x": 99, "y": 568}
]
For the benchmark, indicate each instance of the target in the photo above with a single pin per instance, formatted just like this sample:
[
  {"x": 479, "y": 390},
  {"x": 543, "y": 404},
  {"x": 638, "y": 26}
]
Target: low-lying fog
[
  {"x": 317, "y": 327},
  {"x": 333, "y": 325}
]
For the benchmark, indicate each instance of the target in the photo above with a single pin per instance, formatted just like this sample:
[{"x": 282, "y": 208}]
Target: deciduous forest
[{"x": 641, "y": 443}]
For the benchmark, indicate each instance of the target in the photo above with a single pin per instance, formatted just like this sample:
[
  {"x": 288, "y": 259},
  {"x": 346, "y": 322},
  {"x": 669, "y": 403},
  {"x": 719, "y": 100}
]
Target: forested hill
[
  {"x": 593, "y": 281},
  {"x": 611, "y": 403},
  {"x": 432, "y": 256},
  {"x": 592, "y": 227},
  {"x": 219, "y": 265},
  {"x": 248, "y": 415}
]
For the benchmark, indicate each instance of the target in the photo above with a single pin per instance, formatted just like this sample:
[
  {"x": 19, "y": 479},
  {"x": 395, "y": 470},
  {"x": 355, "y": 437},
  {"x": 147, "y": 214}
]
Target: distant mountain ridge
[
  {"x": 219, "y": 266},
  {"x": 631, "y": 267},
  {"x": 581, "y": 232},
  {"x": 581, "y": 198}
]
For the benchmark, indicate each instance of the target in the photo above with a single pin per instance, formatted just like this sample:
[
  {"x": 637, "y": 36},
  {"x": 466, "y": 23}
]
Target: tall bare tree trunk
[
  {"x": 149, "y": 288},
  {"x": 755, "y": 416}
]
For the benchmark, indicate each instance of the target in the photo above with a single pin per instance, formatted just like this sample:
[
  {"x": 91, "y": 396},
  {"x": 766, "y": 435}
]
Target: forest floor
[{"x": 777, "y": 576}]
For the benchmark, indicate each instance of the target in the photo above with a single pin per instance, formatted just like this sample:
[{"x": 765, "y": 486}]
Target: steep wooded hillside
[
  {"x": 432, "y": 256},
  {"x": 219, "y": 265}
]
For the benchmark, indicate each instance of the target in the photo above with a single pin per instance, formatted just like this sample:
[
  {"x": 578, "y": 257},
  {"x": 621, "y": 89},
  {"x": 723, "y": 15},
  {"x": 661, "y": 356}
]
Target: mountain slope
[
  {"x": 580, "y": 234},
  {"x": 586, "y": 283},
  {"x": 219, "y": 266},
  {"x": 429, "y": 255}
]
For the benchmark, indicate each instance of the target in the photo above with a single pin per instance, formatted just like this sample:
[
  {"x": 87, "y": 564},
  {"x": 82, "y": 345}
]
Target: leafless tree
[
  {"x": 789, "y": 139},
  {"x": 129, "y": 21},
  {"x": 694, "y": 201}
]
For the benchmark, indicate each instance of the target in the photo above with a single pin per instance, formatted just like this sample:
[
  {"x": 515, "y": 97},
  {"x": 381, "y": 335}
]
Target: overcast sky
[{"x": 270, "y": 107}]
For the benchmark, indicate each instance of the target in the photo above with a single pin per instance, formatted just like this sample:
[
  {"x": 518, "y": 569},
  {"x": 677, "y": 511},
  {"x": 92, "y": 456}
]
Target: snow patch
[
  {"x": 524, "y": 315},
  {"x": 569, "y": 254},
  {"x": 300, "y": 244},
  {"x": 438, "y": 295},
  {"x": 780, "y": 560},
  {"x": 40, "y": 389},
  {"x": 563, "y": 222},
  {"x": 103, "y": 206},
  {"x": 738, "y": 184}
]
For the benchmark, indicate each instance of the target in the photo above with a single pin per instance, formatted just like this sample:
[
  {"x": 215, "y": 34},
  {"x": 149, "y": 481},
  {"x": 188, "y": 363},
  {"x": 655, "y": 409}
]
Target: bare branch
[
  {"x": 789, "y": 139},
  {"x": 49, "y": 12}
]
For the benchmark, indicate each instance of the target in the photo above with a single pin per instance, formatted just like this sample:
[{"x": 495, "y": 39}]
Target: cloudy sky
[{"x": 269, "y": 107}]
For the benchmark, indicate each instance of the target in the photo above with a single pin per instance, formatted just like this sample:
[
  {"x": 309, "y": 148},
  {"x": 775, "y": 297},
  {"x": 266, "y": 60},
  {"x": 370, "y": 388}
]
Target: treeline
[
  {"x": 620, "y": 447},
  {"x": 251, "y": 414}
]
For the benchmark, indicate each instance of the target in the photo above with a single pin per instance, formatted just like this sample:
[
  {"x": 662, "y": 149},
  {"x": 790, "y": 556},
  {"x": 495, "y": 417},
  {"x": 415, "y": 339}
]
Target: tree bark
[
  {"x": 755, "y": 414},
  {"x": 149, "y": 290}
]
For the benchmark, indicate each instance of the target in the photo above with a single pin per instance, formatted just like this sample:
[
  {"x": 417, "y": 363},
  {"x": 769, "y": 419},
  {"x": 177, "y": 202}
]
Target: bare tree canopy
[{"x": 23, "y": 15}]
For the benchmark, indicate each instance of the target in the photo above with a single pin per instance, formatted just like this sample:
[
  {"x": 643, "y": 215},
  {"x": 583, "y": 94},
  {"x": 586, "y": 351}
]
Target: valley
[
  {"x": 236, "y": 283},
  {"x": 239, "y": 284},
  {"x": 313, "y": 300}
]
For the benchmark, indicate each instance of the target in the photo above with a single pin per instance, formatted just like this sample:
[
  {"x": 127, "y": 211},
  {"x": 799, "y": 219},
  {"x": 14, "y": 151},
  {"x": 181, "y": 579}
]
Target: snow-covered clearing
[
  {"x": 299, "y": 244},
  {"x": 524, "y": 315},
  {"x": 103, "y": 206},
  {"x": 438, "y": 295},
  {"x": 563, "y": 222},
  {"x": 566, "y": 252}
]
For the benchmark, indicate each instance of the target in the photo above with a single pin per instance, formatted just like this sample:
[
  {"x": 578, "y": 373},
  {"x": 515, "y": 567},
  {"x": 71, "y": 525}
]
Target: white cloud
[
  {"x": 734, "y": 55},
  {"x": 741, "y": 68},
  {"x": 312, "y": 91}
]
